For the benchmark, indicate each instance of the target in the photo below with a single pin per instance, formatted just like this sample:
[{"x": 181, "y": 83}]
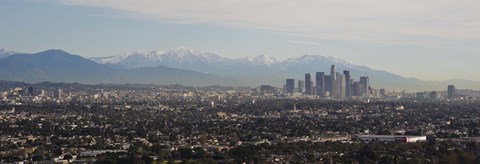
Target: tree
[
  {"x": 147, "y": 159},
  {"x": 37, "y": 157},
  {"x": 67, "y": 157}
]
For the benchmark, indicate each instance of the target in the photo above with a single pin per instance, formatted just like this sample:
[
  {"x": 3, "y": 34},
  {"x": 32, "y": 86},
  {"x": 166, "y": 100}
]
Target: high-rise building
[
  {"x": 332, "y": 72},
  {"x": 320, "y": 83},
  {"x": 451, "y": 92},
  {"x": 341, "y": 86},
  {"x": 301, "y": 85},
  {"x": 348, "y": 85},
  {"x": 57, "y": 94},
  {"x": 308, "y": 84},
  {"x": 290, "y": 86},
  {"x": 356, "y": 88},
  {"x": 364, "y": 86},
  {"x": 30, "y": 91},
  {"x": 351, "y": 86},
  {"x": 333, "y": 78},
  {"x": 328, "y": 85}
]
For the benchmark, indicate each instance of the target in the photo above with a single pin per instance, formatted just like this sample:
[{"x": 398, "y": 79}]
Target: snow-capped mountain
[
  {"x": 184, "y": 57},
  {"x": 61, "y": 66},
  {"x": 258, "y": 69},
  {"x": 5, "y": 53},
  {"x": 315, "y": 59},
  {"x": 192, "y": 56},
  {"x": 207, "y": 62},
  {"x": 263, "y": 67},
  {"x": 262, "y": 60},
  {"x": 137, "y": 55},
  {"x": 173, "y": 58}
]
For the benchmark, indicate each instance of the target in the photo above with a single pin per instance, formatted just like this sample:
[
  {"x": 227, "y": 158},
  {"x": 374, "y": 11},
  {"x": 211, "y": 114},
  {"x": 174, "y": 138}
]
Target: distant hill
[
  {"x": 459, "y": 84},
  {"x": 60, "y": 66}
]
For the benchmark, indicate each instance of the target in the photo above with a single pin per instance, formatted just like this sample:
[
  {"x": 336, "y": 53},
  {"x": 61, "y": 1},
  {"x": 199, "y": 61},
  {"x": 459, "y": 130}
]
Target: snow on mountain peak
[
  {"x": 5, "y": 53},
  {"x": 181, "y": 52},
  {"x": 190, "y": 55},
  {"x": 156, "y": 54},
  {"x": 266, "y": 59},
  {"x": 181, "y": 56},
  {"x": 258, "y": 60}
]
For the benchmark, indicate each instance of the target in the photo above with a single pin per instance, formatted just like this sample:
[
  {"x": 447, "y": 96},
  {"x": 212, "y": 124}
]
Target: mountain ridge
[
  {"x": 60, "y": 66},
  {"x": 5, "y": 53},
  {"x": 262, "y": 69},
  {"x": 266, "y": 69}
]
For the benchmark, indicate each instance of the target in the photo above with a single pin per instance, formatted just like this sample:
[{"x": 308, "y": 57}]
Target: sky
[{"x": 424, "y": 39}]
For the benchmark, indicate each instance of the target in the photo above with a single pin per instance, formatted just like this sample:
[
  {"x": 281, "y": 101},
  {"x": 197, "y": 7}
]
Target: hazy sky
[{"x": 425, "y": 39}]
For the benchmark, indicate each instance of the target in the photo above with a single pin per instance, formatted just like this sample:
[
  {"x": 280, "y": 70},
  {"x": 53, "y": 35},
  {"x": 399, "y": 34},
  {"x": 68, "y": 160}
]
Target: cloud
[
  {"x": 382, "y": 21},
  {"x": 301, "y": 42}
]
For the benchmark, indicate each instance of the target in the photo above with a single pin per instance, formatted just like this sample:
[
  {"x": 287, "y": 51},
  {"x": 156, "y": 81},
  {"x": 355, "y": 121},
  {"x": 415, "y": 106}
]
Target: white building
[{"x": 390, "y": 138}]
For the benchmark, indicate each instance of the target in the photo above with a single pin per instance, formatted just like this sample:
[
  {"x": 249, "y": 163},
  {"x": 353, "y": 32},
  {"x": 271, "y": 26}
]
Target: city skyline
[
  {"x": 335, "y": 85},
  {"x": 384, "y": 36}
]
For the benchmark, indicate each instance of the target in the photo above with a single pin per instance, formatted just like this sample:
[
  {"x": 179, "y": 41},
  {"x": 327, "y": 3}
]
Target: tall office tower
[
  {"x": 290, "y": 85},
  {"x": 451, "y": 92},
  {"x": 308, "y": 84},
  {"x": 301, "y": 85},
  {"x": 350, "y": 83},
  {"x": 57, "y": 94},
  {"x": 341, "y": 86},
  {"x": 332, "y": 72},
  {"x": 356, "y": 88},
  {"x": 320, "y": 83},
  {"x": 364, "y": 86},
  {"x": 30, "y": 91},
  {"x": 328, "y": 85},
  {"x": 333, "y": 78},
  {"x": 346, "y": 73}
]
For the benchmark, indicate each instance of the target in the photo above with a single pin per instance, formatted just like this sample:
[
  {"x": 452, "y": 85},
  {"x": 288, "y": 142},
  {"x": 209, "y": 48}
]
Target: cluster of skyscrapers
[{"x": 335, "y": 85}]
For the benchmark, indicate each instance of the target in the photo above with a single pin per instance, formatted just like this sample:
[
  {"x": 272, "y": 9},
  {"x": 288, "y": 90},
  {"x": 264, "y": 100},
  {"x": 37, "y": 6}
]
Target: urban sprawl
[{"x": 335, "y": 120}]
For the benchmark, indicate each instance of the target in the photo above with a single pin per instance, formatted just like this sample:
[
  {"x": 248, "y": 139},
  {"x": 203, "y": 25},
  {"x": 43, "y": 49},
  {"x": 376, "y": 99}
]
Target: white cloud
[
  {"x": 422, "y": 22},
  {"x": 302, "y": 42}
]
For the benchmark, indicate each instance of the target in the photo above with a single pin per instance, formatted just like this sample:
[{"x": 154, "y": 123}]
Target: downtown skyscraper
[
  {"x": 364, "y": 86},
  {"x": 451, "y": 92},
  {"x": 308, "y": 84},
  {"x": 348, "y": 84},
  {"x": 290, "y": 86},
  {"x": 320, "y": 83}
]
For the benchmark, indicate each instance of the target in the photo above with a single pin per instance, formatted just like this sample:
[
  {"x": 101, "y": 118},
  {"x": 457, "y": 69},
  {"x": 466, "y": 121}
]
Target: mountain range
[
  {"x": 60, "y": 66},
  {"x": 261, "y": 69},
  {"x": 193, "y": 67}
]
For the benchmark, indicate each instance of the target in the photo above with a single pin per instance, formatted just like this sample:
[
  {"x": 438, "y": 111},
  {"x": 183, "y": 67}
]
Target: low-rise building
[{"x": 390, "y": 138}]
